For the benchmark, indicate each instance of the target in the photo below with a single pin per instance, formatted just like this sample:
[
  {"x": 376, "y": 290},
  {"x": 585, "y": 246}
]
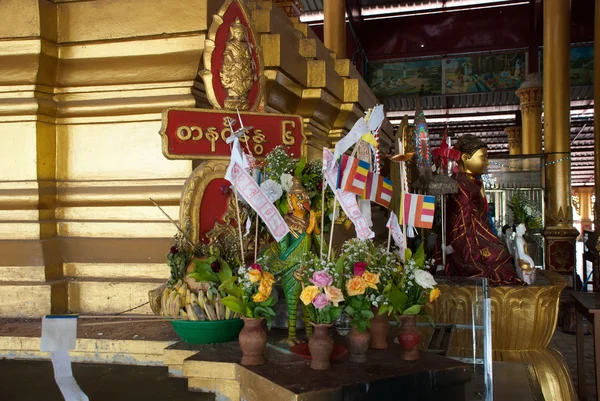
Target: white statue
[
  {"x": 524, "y": 264},
  {"x": 509, "y": 239}
]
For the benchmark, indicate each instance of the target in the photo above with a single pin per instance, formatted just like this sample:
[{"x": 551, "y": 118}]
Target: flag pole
[{"x": 323, "y": 209}]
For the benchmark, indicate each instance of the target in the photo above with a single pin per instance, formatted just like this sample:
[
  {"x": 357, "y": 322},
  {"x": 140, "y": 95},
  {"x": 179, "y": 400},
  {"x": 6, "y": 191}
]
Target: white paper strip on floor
[{"x": 59, "y": 335}]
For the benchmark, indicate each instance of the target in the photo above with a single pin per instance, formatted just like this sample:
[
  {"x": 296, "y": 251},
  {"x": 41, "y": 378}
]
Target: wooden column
[
  {"x": 559, "y": 231},
  {"x": 334, "y": 26}
]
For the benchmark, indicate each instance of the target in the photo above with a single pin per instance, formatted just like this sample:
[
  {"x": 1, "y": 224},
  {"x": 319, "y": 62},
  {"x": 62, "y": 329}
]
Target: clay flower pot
[
  {"x": 358, "y": 344},
  {"x": 320, "y": 345},
  {"x": 380, "y": 328},
  {"x": 253, "y": 340},
  {"x": 409, "y": 338}
]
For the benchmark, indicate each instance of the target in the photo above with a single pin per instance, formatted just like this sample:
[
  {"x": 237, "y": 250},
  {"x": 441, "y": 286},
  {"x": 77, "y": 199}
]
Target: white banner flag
[
  {"x": 376, "y": 118},
  {"x": 358, "y": 130},
  {"x": 256, "y": 198},
  {"x": 397, "y": 235},
  {"x": 347, "y": 199}
]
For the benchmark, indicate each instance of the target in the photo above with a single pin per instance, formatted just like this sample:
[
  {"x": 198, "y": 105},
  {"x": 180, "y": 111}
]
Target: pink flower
[
  {"x": 256, "y": 266},
  {"x": 320, "y": 301},
  {"x": 359, "y": 268},
  {"x": 321, "y": 279}
]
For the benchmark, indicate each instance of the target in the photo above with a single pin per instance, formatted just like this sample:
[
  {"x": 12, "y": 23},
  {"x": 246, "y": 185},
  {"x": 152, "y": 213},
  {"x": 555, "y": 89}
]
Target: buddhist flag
[
  {"x": 418, "y": 210},
  {"x": 384, "y": 192},
  {"x": 352, "y": 175},
  {"x": 378, "y": 189}
]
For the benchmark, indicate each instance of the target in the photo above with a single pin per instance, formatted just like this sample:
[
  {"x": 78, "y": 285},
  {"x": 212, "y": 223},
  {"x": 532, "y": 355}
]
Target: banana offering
[{"x": 179, "y": 301}]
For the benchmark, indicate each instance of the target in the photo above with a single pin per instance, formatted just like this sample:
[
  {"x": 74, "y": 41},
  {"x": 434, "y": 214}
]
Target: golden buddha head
[
  {"x": 473, "y": 154},
  {"x": 298, "y": 198},
  {"x": 237, "y": 31}
]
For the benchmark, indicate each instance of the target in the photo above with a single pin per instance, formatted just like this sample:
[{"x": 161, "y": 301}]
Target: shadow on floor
[{"x": 34, "y": 381}]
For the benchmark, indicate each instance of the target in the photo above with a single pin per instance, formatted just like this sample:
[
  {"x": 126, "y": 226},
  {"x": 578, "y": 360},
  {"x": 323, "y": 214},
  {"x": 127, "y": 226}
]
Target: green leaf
[
  {"x": 349, "y": 310},
  {"x": 234, "y": 304},
  {"x": 407, "y": 254},
  {"x": 419, "y": 256},
  {"x": 413, "y": 310},
  {"x": 283, "y": 206},
  {"x": 229, "y": 287},
  {"x": 225, "y": 272},
  {"x": 335, "y": 312},
  {"x": 398, "y": 299},
  {"x": 367, "y": 314},
  {"x": 300, "y": 167},
  {"x": 203, "y": 276}
]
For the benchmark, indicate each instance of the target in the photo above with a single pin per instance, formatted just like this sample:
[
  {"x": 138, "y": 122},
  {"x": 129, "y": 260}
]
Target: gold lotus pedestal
[{"x": 523, "y": 323}]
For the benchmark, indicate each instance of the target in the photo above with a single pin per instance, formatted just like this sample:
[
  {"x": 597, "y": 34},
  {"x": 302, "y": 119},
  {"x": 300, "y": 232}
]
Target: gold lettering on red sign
[{"x": 287, "y": 136}]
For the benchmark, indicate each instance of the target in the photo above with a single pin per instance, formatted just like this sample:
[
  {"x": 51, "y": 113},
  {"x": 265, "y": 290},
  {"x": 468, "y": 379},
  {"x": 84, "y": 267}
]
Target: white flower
[
  {"x": 424, "y": 279},
  {"x": 286, "y": 182},
  {"x": 272, "y": 190}
]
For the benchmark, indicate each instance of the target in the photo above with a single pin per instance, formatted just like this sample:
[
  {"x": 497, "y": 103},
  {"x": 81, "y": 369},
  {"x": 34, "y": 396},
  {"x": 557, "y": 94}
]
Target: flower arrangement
[
  {"x": 411, "y": 288},
  {"x": 524, "y": 211},
  {"x": 250, "y": 293},
  {"x": 320, "y": 290},
  {"x": 365, "y": 266}
]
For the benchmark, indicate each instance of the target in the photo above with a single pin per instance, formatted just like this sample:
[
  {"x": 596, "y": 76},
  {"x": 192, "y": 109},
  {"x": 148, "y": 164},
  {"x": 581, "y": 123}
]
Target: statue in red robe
[{"x": 475, "y": 249}]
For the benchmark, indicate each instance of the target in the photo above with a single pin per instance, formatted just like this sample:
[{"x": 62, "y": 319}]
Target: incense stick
[
  {"x": 323, "y": 209},
  {"x": 172, "y": 221}
]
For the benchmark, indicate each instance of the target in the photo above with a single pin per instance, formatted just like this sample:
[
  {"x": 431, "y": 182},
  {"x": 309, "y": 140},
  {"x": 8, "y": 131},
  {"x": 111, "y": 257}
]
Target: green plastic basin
[{"x": 208, "y": 332}]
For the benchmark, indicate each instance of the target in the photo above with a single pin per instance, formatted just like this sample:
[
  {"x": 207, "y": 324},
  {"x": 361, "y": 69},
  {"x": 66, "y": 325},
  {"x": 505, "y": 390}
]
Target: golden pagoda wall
[{"x": 82, "y": 88}]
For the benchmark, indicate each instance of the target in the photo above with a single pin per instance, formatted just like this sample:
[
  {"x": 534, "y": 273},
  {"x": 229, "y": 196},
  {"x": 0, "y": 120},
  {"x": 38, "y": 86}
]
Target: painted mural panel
[
  {"x": 582, "y": 66},
  {"x": 484, "y": 73},
  {"x": 418, "y": 77}
]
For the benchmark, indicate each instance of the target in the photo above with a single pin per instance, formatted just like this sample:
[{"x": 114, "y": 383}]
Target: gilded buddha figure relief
[{"x": 238, "y": 71}]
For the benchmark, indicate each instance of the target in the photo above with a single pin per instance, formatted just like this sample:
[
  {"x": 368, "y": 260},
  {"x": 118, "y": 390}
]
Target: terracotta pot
[
  {"x": 253, "y": 340},
  {"x": 380, "y": 328},
  {"x": 320, "y": 345},
  {"x": 358, "y": 345},
  {"x": 409, "y": 338}
]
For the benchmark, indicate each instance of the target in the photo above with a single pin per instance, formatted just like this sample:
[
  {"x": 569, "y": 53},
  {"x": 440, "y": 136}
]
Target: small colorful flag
[
  {"x": 378, "y": 189},
  {"x": 417, "y": 210},
  {"x": 352, "y": 176},
  {"x": 384, "y": 192}
]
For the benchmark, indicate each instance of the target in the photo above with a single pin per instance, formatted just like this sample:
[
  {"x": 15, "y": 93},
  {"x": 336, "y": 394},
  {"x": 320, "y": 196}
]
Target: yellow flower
[
  {"x": 334, "y": 295},
  {"x": 434, "y": 294},
  {"x": 371, "y": 279},
  {"x": 255, "y": 275},
  {"x": 356, "y": 286},
  {"x": 308, "y": 294},
  {"x": 259, "y": 297},
  {"x": 265, "y": 288}
]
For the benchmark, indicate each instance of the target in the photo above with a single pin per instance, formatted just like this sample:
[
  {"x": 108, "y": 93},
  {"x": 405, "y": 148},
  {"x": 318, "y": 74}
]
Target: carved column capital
[
  {"x": 515, "y": 139},
  {"x": 531, "y": 95}
]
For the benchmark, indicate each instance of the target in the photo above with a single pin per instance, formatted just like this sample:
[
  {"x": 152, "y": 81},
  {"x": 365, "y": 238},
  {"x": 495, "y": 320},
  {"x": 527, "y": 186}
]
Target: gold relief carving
[
  {"x": 193, "y": 192},
  {"x": 234, "y": 80},
  {"x": 227, "y": 229},
  {"x": 238, "y": 71},
  {"x": 514, "y": 139},
  {"x": 558, "y": 218},
  {"x": 523, "y": 323},
  {"x": 530, "y": 99}
]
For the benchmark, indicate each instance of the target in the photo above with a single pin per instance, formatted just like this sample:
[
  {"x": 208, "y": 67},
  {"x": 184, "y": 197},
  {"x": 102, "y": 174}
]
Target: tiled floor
[{"x": 565, "y": 343}]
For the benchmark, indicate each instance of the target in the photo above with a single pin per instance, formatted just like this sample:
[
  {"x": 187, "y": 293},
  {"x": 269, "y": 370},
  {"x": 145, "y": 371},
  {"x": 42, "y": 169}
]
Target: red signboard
[{"x": 202, "y": 134}]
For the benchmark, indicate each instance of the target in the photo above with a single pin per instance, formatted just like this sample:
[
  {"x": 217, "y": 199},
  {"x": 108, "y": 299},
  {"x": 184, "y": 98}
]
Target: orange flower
[
  {"x": 356, "y": 286},
  {"x": 268, "y": 278},
  {"x": 371, "y": 279},
  {"x": 260, "y": 297},
  {"x": 265, "y": 287},
  {"x": 255, "y": 275}
]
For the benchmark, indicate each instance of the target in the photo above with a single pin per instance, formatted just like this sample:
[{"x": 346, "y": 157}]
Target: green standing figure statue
[{"x": 287, "y": 256}]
